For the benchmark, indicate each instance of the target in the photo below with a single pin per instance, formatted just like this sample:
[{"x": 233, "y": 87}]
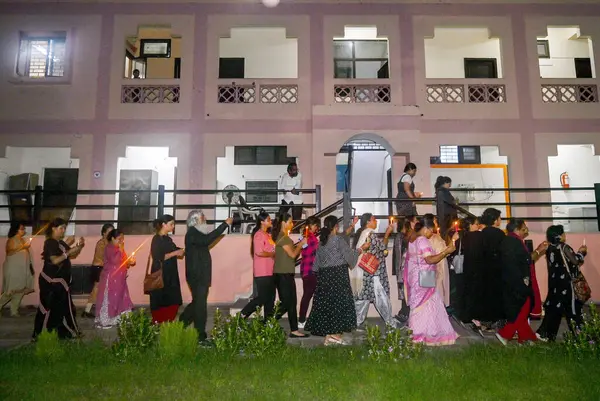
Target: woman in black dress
[
  {"x": 165, "y": 302},
  {"x": 446, "y": 213},
  {"x": 406, "y": 190},
  {"x": 333, "y": 311},
  {"x": 56, "y": 311},
  {"x": 563, "y": 267}
]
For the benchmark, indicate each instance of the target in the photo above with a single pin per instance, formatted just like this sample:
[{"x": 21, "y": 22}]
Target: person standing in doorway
[
  {"x": 97, "y": 265},
  {"x": 291, "y": 183},
  {"x": 406, "y": 190},
  {"x": 198, "y": 269}
]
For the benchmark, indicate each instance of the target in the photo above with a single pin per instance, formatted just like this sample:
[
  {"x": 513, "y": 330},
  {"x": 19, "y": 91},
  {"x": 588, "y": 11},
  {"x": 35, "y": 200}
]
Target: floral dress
[{"x": 378, "y": 249}]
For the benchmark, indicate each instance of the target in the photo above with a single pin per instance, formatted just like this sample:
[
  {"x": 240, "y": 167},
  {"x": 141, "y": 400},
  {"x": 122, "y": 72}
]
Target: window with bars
[
  {"x": 361, "y": 59},
  {"x": 42, "y": 56},
  {"x": 452, "y": 154}
]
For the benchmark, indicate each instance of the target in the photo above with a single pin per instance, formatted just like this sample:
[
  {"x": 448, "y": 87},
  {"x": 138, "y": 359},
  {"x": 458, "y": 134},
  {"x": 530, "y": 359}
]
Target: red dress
[{"x": 536, "y": 311}]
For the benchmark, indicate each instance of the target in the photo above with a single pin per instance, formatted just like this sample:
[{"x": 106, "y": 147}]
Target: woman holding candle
[
  {"x": 165, "y": 302},
  {"x": 284, "y": 270},
  {"x": 309, "y": 280},
  {"x": 113, "y": 293},
  {"x": 17, "y": 271},
  {"x": 372, "y": 288},
  {"x": 445, "y": 205},
  {"x": 97, "y": 265},
  {"x": 56, "y": 311}
]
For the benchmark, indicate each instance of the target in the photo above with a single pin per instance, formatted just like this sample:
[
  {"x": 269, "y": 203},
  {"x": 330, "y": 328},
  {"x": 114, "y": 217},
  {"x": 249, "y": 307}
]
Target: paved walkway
[{"x": 15, "y": 332}]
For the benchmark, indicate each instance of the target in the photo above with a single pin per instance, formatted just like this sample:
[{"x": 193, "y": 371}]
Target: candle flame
[{"x": 125, "y": 262}]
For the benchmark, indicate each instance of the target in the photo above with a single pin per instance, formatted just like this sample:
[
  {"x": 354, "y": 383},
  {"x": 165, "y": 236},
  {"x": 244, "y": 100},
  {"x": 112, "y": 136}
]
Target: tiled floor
[{"x": 17, "y": 331}]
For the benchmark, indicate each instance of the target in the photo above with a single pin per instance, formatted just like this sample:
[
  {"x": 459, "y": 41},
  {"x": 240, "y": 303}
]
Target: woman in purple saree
[
  {"x": 428, "y": 319},
  {"x": 113, "y": 294}
]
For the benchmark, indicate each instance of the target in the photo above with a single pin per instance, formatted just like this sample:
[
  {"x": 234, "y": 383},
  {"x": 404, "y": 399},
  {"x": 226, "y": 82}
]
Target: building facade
[{"x": 211, "y": 94}]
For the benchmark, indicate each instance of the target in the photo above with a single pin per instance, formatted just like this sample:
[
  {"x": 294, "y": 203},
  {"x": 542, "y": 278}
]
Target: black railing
[
  {"x": 462, "y": 207},
  {"x": 30, "y": 203}
]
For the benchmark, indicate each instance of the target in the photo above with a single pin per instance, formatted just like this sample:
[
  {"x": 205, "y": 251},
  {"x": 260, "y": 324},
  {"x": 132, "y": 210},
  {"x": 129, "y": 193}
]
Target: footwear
[
  {"x": 88, "y": 315},
  {"x": 476, "y": 326},
  {"x": 206, "y": 343},
  {"x": 540, "y": 338},
  {"x": 292, "y": 335},
  {"x": 503, "y": 340},
  {"x": 301, "y": 324},
  {"x": 334, "y": 341}
]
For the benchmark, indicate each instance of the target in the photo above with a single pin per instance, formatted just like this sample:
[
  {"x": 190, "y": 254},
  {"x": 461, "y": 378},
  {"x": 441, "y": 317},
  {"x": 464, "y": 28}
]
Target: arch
[{"x": 374, "y": 138}]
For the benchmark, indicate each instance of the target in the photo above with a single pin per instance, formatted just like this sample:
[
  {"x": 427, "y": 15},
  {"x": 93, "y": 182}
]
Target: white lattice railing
[
  {"x": 150, "y": 94},
  {"x": 267, "y": 92},
  {"x": 465, "y": 93},
  {"x": 363, "y": 93},
  {"x": 569, "y": 93}
]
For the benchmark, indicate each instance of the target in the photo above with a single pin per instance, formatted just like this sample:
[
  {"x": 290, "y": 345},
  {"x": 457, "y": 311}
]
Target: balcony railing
[
  {"x": 466, "y": 93},
  {"x": 150, "y": 94},
  {"x": 570, "y": 93},
  {"x": 267, "y": 93},
  {"x": 365, "y": 93}
]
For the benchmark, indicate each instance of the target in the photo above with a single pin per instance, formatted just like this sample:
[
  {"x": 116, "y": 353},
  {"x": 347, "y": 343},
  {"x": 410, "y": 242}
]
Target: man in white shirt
[{"x": 291, "y": 183}]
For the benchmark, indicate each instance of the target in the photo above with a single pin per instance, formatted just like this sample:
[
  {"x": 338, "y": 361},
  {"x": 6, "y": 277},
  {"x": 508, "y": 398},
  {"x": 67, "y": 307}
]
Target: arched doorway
[{"x": 364, "y": 170}]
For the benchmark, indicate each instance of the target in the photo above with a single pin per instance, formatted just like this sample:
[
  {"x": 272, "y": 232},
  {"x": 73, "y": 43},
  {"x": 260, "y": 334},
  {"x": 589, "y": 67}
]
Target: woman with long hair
[
  {"x": 165, "y": 302},
  {"x": 443, "y": 272},
  {"x": 97, "y": 265},
  {"x": 17, "y": 271},
  {"x": 333, "y": 312},
  {"x": 372, "y": 288},
  {"x": 446, "y": 213},
  {"x": 309, "y": 280},
  {"x": 284, "y": 271},
  {"x": 113, "y": 294},
  {"x": 564, "y": 266},
  {"x": 517, "y": 293},
  {"x": 262, "y": 251},
  {"x": 406, "y": 191},
  {"x": 56, "y": 311},
  {"x": 428, "y": 319}
]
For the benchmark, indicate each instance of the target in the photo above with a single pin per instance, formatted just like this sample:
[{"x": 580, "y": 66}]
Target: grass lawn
[{"x": 90, "y": 372}]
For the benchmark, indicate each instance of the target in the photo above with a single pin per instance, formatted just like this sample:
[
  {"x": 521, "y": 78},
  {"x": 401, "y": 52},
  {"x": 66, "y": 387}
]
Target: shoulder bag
[
  {"x": 427, "y": 278},
  {"x": 153, "y": 281},
  {"x": 581, "y": 288},
  {"x": 369, "y": 263},
  {"x": 459, "y": 260}
]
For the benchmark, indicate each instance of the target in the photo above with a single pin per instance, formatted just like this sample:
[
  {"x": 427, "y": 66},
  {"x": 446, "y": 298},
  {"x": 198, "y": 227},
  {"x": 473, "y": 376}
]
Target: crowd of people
[{"x": 468, "y": 270}]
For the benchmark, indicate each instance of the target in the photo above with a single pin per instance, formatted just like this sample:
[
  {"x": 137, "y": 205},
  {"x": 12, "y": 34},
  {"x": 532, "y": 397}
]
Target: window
[
  {"x": 262, "y": 155},
  {"x": 481, "y": 68},
  {"x": 42, "y": 56},
  {"x": 450, "y": 154},
  {"x": 362, "y": 59}
]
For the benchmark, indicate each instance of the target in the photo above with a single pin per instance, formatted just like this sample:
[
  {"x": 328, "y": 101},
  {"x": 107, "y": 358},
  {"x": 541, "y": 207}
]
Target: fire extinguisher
[{"x": 564, "y": 180}]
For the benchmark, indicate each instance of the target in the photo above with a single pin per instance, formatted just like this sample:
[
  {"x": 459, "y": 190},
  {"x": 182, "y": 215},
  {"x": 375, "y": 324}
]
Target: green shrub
[
  {"x": 48, "y": 346},
  {"x": 396, "y": 345},
  {"x": 235, "y": 335},
  {"x": 175, "y": 341},
  {"x": 585, "y": 341},
  {"x": 136, "y": 334}
]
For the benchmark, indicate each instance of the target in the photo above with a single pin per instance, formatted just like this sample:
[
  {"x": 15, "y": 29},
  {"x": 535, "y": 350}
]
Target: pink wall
[{"x": 232, "y": 267}]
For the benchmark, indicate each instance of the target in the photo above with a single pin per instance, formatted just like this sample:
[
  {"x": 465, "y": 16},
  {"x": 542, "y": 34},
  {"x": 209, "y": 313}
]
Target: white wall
[
  {"x": 583, "y": 167},
  {"x": 565, "y": 45},
  {"x": 229, "y": 173},
  {"x": 491, "y": 155},
  {"x": 474, "y": 178},
  {"x": 446, "y": 51},
  {"x": 149, "y": 158},
  {"x": 268, "y": 53},
  {"x": 32, "y": 160},
  {"x": 369, "y": 180}
]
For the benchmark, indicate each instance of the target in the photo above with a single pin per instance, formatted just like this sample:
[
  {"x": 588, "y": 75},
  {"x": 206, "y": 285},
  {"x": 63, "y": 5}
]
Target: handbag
[
  {"x": 581, "y": 288},
  {"x": 369, "y": 263},
  {"x": 458, "y": 261},
  {"x": 427, "y": 278},
  {"x": 153, "y": 281}
]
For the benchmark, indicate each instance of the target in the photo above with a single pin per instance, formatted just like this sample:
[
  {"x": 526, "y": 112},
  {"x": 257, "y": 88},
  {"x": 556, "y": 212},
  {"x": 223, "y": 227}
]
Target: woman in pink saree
[
  {"x": 428, "y": 319},
  {"x": 113, "y": 294}
]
